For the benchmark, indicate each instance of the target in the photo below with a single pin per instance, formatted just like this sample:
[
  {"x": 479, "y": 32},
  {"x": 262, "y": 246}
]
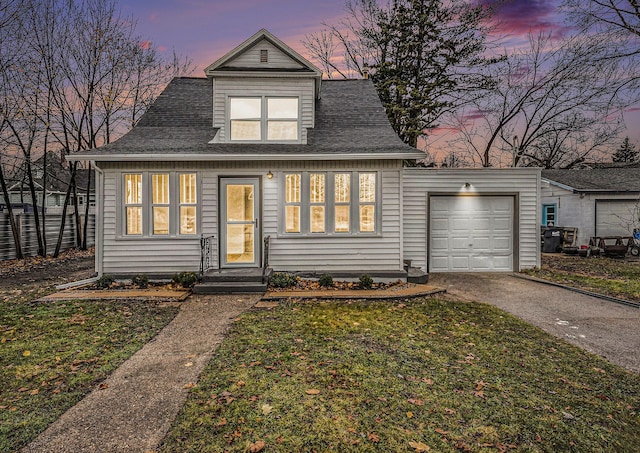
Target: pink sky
[{"x": 204, "y": 30}]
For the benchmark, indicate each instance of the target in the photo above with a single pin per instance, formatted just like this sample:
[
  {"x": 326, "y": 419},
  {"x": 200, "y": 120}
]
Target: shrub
[
  {"x": 283, "y": 280},
  {"x": 185, "y": 279},
  {"x": 140, "y": 280},
  {"x": 105, "y": 281},
  {"x": 366, "y": 282},
  {"x": 326, "y": 281}
]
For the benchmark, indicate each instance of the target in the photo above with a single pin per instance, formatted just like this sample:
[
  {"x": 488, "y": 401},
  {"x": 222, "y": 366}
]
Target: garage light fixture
[
  {"x": 269, "y": 175},
  {"x": 467, "y": 185}
]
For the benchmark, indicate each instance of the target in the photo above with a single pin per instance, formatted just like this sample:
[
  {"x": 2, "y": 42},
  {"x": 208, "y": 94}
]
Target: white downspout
[{"x": 99, "y": 225}]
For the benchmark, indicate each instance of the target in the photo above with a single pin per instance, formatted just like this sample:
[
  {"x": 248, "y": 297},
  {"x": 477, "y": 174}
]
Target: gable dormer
[{"x": 263, "y": 92}]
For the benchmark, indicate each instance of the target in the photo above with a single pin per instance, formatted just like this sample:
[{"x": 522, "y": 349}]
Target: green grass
[
  {"x": 613, "y": 277},
  {"x": 385, "y": 376},
  {"x": 53, "y": 353}
]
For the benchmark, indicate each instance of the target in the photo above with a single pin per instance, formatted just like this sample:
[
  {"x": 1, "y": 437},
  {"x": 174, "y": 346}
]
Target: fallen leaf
[
  {"x": 419, "y": 446},
  {"x": 266, "y": 409},
  {"x": 257, "y": 446},
  {"x": 442, "y": 431},
  {"x": 409, "y": 414},
  {"x": 240, "y": 383},
  {"x": 103, "y": 386},
  {"x": 480, "y": 384},
  {"x": 373, "y": 437},
  {"x": 23, "y": 389},
  {"x": 478, "y": 393},
  {"x": 34, "y": 392},
  {"x": 416, "y": 401},
  {"x": 188, "y": 364},
  {"x": 222, "y": 422},
  {"x": 189, "y": 385},
  {"x": 313, "y": 392},
  {"x": 26, "y": 353}
]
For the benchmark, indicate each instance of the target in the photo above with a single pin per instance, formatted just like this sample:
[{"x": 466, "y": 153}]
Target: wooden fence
[{"x": 27, "y": 228}]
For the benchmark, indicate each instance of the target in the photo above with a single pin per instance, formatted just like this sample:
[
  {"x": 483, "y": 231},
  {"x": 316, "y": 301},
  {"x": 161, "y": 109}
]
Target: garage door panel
[
  {"x": 616, "y": 218},
  {"x": 474, "y": 235}
]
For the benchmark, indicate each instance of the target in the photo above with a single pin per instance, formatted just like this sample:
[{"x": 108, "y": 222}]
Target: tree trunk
[
  {"x": 72, "y": 183},
  {"x": 14, "y": 228}
]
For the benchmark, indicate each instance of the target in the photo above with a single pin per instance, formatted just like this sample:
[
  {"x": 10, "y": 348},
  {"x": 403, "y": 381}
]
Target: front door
[{"x": 239, "y": 222}]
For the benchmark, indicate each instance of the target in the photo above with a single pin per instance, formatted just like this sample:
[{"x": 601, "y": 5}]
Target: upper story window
[{"x": 263, "y": 118}]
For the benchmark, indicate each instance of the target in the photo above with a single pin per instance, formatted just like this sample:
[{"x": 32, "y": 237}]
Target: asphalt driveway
[{"x": 599, "y": 326}]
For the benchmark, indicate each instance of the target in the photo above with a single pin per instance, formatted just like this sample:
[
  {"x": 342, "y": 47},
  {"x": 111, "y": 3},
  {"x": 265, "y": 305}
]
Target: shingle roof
[
  {"x": 349, "y": 120},
  {"x": 613, "y": 179}
]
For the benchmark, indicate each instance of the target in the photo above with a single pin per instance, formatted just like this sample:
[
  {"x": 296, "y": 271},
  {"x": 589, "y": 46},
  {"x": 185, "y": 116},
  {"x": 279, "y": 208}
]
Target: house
[
  {"x": 56, "y": 181},
  {"x": 600, "y": 201},
  {"x": 263, "y": 161}
]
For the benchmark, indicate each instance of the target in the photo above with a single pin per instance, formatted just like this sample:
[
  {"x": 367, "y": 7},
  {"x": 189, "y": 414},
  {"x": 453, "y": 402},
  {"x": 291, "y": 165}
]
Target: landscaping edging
[
  {"x": 173, "y": 295},
  {"x": 403, "y": 293}
]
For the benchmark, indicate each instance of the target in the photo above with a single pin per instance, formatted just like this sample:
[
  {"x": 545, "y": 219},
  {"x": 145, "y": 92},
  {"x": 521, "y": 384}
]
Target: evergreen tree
[{"x": 626, "y": 153}]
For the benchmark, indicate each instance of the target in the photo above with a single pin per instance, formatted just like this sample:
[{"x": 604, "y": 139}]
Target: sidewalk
[{"x": 134, "y": 408}]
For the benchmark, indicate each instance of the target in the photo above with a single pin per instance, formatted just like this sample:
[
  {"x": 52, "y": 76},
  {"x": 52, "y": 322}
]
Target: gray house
[
  {"x": 601, "y": 201},
  {"x": 263, "y": 159}
]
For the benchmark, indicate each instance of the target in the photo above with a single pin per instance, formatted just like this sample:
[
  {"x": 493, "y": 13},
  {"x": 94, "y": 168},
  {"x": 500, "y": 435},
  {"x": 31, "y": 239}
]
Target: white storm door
[{"x": 239, "y": 222}]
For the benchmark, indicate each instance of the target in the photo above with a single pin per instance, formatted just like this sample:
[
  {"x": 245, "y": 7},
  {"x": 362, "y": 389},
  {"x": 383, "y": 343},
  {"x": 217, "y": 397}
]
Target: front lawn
[
  {"x": 424, "y": 375},
  {"x": 53, "y": 353},
  {"x": 609, "y": 276}
]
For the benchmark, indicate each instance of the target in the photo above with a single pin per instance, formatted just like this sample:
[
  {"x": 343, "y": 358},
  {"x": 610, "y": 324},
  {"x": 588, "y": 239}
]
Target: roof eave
[{"x": 131, "y": 157}]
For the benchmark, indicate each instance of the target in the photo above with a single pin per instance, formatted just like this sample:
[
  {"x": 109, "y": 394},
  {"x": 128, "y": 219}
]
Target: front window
[
  {"x": 170, "y": 207},
  {"x": 133, "y": 203},
  {"x": 263, "y": 119},
  {"x": 188, "y": 203},
  {"x": 160, "y": 203},
  {"x": 340, "y": 203},
  {"x": 292, "y": 203}
]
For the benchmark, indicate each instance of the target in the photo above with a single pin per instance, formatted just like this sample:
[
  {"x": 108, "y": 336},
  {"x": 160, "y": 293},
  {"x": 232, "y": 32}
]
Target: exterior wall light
[
  {"x": 467, "y": 185},
  {"x": 269, "y": 175}
]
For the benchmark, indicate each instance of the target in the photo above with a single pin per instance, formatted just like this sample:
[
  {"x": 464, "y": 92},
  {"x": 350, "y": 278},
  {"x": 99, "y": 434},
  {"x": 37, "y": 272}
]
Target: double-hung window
[
  {"x": 160, "y": 204},
  {"x": 133, "y": 203},
  {"x": 264, "y": 118},
  {"x": 331, "y": 203}
]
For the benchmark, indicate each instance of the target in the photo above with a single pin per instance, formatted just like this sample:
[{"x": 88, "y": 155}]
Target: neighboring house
[
  {"x": 263, "y": 150},
  {"x": 601, "y": 201},
  {"x": 56, "y": 181}
]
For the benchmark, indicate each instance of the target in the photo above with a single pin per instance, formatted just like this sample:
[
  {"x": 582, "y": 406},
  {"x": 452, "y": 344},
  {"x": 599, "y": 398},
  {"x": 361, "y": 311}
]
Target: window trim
[
  {"x": 354, "y": 205},
  {"x": 264, "y": 118},
  {"x": 147, "y": 206}
]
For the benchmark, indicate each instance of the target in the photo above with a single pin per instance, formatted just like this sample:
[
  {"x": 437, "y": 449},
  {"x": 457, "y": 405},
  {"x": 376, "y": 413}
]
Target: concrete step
[
  {"x": 238, "y": 287},
  {"x": 237, "y": 275},
  {"x": 418, "y": 276}
]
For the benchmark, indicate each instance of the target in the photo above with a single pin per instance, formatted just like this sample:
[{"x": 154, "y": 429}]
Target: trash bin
[{"x": 552, "y": 241}]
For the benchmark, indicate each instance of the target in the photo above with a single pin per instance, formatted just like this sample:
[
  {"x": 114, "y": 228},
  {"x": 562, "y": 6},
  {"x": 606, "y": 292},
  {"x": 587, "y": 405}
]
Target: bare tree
[
  {"x": 82, "y": 78},
  {"x": 554, "y": 105},
  {"x": 423, "y": 56}
]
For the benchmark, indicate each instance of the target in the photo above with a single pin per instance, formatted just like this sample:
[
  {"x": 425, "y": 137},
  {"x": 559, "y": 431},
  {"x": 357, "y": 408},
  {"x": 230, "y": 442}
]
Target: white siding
[
  {"x": 383, "y": 252},
  {"x": 303, "y": 88},
  {"x": 579, "y": 210},
  {"x": 250, "y": 58},
  {"x": 420, "y": 183}
]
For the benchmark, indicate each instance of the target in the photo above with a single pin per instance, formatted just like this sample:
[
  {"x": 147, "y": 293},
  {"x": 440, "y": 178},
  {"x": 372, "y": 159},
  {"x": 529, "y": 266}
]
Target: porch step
[
  {"x": 418, "y": 276},
  {"x": 234, "y": 281},
  {"x": 238, "y": 287},
  {"x": 237, "y": 275}
]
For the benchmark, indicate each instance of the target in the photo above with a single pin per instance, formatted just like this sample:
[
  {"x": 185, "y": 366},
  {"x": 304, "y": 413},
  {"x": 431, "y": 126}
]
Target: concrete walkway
[
  {"x": 134, "y": 408},
  {"x": 599, "y": 326}
]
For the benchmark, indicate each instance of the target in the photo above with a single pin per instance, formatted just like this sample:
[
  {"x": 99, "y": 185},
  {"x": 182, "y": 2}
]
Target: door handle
[{"x": 256, "y": 223}]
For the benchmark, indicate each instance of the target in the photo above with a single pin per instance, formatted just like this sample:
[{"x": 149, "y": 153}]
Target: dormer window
[{"x": 263, "y": 119}]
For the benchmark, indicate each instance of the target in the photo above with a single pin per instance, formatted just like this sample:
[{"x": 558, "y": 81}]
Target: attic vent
[{"x": 264, "y": 56}]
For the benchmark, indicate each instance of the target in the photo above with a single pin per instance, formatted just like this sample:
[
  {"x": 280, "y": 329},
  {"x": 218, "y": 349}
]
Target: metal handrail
[
  {"x": 265, "y": 255},
  {"x": 205, "y": 253}
]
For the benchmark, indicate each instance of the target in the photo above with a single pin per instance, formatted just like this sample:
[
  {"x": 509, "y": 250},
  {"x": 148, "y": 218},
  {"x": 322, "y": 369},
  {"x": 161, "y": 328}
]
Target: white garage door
[
  {"x": 471, "y": 233},
  {"x": 616, "y": 218}
]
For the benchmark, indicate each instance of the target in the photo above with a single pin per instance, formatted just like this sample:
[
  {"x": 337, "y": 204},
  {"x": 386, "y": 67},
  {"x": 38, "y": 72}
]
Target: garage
[
  {"x": 471, "y": 233},
  {"x": 616, "y": 217}
]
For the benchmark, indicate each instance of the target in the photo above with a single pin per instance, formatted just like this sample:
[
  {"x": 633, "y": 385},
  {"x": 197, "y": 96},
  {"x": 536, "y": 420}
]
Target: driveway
[{"x": 602, "y": 327}]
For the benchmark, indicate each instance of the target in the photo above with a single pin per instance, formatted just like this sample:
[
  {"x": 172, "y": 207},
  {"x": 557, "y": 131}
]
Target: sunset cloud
[{"x": 521, "y": 17}]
